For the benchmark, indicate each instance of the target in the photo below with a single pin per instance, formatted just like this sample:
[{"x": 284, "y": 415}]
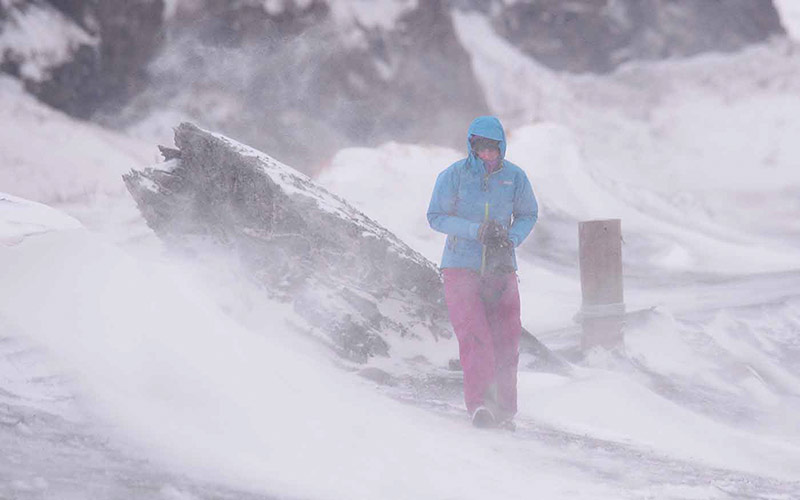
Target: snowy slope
[
  {"x": 674, "y": 141},
  {"x": 699, "y": 160},
  {"x": 721, "y": 382},
  {"x": 169, "y": 373},
  {"x": 21, "y": 218},
  {"x": 194, "y": 377},
  {"x": 51, "y": 158},
  {"x": 626, "y": 147},
  {"x": 159, "y": 363},
  {"x": 175, "y": 375}
]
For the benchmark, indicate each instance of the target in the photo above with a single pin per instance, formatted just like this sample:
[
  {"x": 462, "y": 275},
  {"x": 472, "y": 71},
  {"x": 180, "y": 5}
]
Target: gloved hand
[{"x": 493, "y": 235}]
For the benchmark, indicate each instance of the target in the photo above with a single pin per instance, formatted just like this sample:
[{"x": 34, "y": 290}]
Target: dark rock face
[
  {"x": 316, "y": 84},
  {"x": 598, "y": 35},
  {"x": 345, "y": 274},
  {"x": 319, "y": 84},
  {"x": 127, "y": 34}
]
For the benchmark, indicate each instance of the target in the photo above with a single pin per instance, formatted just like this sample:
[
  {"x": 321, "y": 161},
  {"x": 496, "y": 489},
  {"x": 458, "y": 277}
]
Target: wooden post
[{"x": 603, "y": 305}]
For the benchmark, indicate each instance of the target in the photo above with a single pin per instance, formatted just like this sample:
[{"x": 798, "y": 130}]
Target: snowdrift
[{"x": 154, "y": 363}]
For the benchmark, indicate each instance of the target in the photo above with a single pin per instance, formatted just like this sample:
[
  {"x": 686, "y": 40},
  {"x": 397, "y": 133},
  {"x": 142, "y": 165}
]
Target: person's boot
[{"x": 482, "y": 417}]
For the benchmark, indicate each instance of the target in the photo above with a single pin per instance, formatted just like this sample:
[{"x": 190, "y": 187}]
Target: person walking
[{"x": 486, "y": 207}]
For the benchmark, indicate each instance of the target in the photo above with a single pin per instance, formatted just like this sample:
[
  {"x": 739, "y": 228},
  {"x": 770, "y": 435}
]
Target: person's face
[{"x": 489, "y": 154}]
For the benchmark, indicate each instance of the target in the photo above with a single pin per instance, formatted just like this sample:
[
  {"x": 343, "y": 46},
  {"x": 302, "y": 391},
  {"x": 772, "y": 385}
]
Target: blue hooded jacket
[{"x": 462, "y": 191}]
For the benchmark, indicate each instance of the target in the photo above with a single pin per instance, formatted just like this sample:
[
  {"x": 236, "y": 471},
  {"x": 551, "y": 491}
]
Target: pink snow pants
[{"x": 485, "y": 313}]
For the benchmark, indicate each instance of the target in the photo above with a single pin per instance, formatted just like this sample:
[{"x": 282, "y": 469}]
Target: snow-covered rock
[
  {"x": 345, "y": 274},
  {"x": 599, "y": 36},
  {"x": 78, "y": 56},
  {"x": 36, "y": 37}
]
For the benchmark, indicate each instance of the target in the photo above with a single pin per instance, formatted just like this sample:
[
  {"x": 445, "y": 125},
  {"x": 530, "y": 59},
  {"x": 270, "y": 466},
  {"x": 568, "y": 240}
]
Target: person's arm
[
  {"x": 526, "y": 211},
  {"x": 442, "y": 206}
]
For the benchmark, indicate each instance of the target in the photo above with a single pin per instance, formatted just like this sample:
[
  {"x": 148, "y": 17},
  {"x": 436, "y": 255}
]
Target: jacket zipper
[
  {"x": 486, "y": 213},
  {"x": 483, "y": 249},
  {"x": 485, "y": 184}
]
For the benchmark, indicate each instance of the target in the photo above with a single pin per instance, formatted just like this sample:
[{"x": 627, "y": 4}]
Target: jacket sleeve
[
  {"x": 526, "y": 211},
  {"x": 443, "y": 206}
]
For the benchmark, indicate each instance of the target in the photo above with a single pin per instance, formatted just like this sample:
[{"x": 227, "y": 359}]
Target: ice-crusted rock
[
  {"x": 589, "y": 35},
  {"x": 344, "y": 273}
]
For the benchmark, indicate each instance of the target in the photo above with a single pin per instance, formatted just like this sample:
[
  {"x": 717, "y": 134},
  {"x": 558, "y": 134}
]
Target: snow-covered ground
[{"x": 144, "y": 375}]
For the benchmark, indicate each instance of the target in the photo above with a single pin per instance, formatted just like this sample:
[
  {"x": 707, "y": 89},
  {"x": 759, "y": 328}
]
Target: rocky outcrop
[
  {"x": 345, "y": 274},
  {"x": 80, "y": 56},
  {"x": 303, "y": 69},
  {"x": 316, "y": 78},
  {"x": 321, "y": 75},
  {"x": 598, "y": 36}
]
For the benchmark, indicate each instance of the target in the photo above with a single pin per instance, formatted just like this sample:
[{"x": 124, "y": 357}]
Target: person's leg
[
  {"x": 504, "y": 318},
  {"x": 462, "y": 290}
]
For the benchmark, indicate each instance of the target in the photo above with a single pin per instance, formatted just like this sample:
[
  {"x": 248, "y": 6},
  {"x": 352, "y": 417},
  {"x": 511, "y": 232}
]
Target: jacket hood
[{"x": 490, "y": 127}]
